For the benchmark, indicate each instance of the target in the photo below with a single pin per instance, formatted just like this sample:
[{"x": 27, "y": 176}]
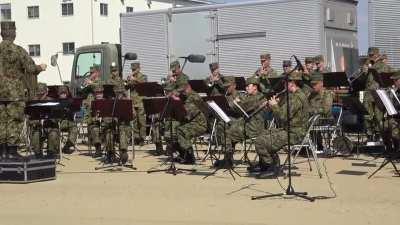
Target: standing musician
[
  {"x": 214, "y": 81},
  {"x": 235, "y": 132},
  {"x": 264, "y": 72},
  {"x": 94, "y": 76},
  {"x": 320, "y": 66},
  {"x": 271, "y": 141},
  {"x": 139, "y": 123}
]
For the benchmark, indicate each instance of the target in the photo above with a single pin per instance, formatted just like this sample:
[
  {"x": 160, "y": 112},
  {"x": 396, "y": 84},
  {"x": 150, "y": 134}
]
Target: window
[
  {"x": 350, "y": 18},
  {"x": 103, "y": 9},
  {"x": 68, "y": 48},
  {"x": 85, "y": 61},
  {"x": 67, "y": 9},
  {"x": 34, "y": 50},
  {"x": 5, "y": 12},
  {"x": 129, "y": 9},
  {"x": 33, "y": 12},
  {"x": 330, "y": 15}
]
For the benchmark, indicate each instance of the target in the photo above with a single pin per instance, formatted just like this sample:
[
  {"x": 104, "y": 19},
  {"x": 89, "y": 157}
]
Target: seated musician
[
  {"x": 269, "y": 142},
  {"x": 114, "y": 129},
  {"x": 235, "y": 132},
  {"x": 68, "y": 125},
  {"x": 194, "y": 125},
  {"x": 393, "y": 128},
  {"x": 214, "y": 81},
  {"x": 92, "y": 121},
  {"x": 44, "y": 130}
]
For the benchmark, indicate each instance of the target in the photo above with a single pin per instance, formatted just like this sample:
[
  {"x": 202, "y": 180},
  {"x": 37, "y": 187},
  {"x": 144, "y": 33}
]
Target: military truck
[{"x": 102, "y": 55}]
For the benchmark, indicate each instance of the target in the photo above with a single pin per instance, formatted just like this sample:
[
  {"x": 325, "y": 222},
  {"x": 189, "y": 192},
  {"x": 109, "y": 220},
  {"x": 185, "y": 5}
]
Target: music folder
[
  {"x": 384, "y": 102},
  {"x": 218, "y": 111},
  {"x": 335, "y": 79}
]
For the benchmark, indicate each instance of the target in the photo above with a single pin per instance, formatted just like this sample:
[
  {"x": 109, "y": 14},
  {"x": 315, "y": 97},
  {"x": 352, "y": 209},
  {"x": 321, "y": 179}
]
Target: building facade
[
  {"x": 46, "y": 27},
  {"x": 384, "y": 28}
]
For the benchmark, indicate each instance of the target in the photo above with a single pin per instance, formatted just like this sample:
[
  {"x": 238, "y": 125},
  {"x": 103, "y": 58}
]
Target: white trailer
[{"x": 235, "y": 34}]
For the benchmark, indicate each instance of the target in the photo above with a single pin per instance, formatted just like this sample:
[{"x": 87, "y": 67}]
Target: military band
[{"x": 305, "y": 88}]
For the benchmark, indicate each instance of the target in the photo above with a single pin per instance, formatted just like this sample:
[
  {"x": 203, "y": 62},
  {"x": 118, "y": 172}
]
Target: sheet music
[
  {"x": 46, "y": 104},
  {"x": 241, "y": 109},
  {"x": 395, "y": 96},
  {"x": 386, "y": 102},
  {"x": 219, "y": 111}
]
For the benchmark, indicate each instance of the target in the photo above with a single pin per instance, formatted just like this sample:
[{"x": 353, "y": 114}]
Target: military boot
[
  {"x": 123, "y": 156},
  {"x": 159, "y": 149},
  {"x": 189, "y": 157},
  {"x": 67, "y": 148},
  {"x": 273, "y": 169},
  {"x": 98, "y": 152}
]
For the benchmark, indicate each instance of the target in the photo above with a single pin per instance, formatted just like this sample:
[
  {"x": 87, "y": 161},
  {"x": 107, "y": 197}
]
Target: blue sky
[{"x": 362, "y": 19}]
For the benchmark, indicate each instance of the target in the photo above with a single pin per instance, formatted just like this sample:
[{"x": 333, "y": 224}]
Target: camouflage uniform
[
  {"x": 271, "y": 141},
  {"x": 263, "y": 75},
  {"x": 16, "y": 66},
  {"x": 139, "y": 123},
  {"x": 214, "y": 87},
  {"x": 236, "y": 131},
  {"x": 374, "y": 118},
  {"x": 320, "y": 102},
  {"x": 68, "y": 125},
  {"x": 41, "y": 130},
  {"x": 195, "y": 124}
]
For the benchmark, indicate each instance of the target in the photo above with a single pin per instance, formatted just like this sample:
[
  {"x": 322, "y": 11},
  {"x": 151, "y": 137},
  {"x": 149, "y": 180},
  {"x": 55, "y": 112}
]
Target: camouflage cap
[
  {"x": 373, "y": 50},
  {"x": 135, "y": 65},
  {"x": 295, "y": 76},
  {"x": 316, "y": 77},
  {"x": 174, "y": 65},
  {"x": 63, "y": 90},
  {"x": 396, "y": 75},
  {"x": 7, "y": 25},
  {"x": 252, "y": 80},
  {"x": 319, "y": 58},
  {"x": 213, "y": 66},
  {"x": 228, "y": 80},
  {"x": 308, "y": 60},
  {"x": 265, "y": 56},
  {"x": 42, "y": 88},
  {"x": 286, "y": 63}
]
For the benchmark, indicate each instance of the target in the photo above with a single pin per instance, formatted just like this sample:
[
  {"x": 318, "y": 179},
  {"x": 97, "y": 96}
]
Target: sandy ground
[{"x": 82, "y": 195}]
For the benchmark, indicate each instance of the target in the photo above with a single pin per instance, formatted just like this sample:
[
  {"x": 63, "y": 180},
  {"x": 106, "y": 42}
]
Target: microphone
[
  {"x": 298, "y": 62},
  {"x": 195, "y": 58}
]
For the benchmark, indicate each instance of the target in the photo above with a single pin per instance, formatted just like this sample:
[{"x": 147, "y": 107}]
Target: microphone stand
[{"x": 290, "y": 189}]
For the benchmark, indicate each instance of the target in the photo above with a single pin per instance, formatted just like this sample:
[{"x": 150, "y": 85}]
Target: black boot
[
  {"x": 273, "y": 170},
  {"x": 159, "y": 149},
  {"x": 67, "y": 148},
  {"x": 110, "y": 157},
  {"x": 189, "y": 157},
  {"x": 98, "y": 152},
  {"x": 261, "y": 166},
  {"x": 226, "y": 162},
  {"x": 123, "y": 156}
]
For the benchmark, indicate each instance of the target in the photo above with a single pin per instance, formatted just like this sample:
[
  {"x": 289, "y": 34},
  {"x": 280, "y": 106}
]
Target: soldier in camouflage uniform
[
  {"x": 271, "y": 141},
  {"x": 93, "y": 123},
  {"x": 235, "y": 132},
  {"x": 214, "y": 81},
  {"x": 393, "y": 128},
  {"x": 320, "y": 66},
  {"x": 175, "y": 83},
  {"x": 374, "y": 118},
  {"x": 44, "y": 130},
  {"x": 306, "y": 74},
  {"x": 265, "y": 72},
  {"x": 68, "y": 125},
  {"x": 16, "y": 66},
  {"x": 139, "y": 123},
  {"x": 194, "y": 125},
  {"x": 320, "y": 100}
]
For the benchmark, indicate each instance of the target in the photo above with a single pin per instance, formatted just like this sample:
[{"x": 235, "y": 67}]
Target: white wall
[{"x": 51, "y": 29}]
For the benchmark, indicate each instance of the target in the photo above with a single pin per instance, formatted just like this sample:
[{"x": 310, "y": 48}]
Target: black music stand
[
  {"x": 385, "y": 104},
  {"x": 118, "y": 110},
  {"x": 53, "y": 91},
  {"x": 174, "y": 110},
  {"x": 149, "y": 89},
  {"x": 335, "y": 80},
  {"x": 240, "y": 83},
  {"x": 199, "y": 86}
]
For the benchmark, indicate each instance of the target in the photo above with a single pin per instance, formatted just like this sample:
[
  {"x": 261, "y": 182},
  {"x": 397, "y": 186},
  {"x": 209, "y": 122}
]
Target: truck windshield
[{"x": 85, "y": 61}]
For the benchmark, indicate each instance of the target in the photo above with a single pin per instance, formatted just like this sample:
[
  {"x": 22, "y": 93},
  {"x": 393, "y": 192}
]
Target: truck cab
[{"x": 102, "y": 55}]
